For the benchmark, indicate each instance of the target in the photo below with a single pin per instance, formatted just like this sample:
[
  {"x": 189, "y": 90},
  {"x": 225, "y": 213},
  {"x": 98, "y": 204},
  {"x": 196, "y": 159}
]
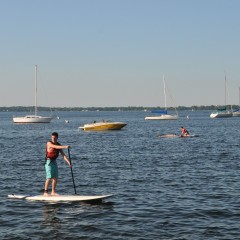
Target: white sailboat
[
  {"x": 224, "y": 112},
  {"x": 236, "y": 113},
  {"x": 33, "y": 118},
  {"x": 163, "y": 113}
]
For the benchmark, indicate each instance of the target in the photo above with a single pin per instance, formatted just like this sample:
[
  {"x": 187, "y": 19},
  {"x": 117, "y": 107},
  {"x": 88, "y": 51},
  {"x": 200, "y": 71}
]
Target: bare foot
[
  {"x": 46, "y": 195},
  {"x": 54, "y": 194}
]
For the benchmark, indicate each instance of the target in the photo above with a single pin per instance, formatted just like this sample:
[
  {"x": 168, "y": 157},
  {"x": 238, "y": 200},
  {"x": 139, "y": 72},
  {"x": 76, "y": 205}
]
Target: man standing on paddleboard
[{"x": 53, "y": 149}]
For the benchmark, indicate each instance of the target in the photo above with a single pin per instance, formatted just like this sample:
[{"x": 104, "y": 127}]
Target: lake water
[{"x": 162, "y": 188}]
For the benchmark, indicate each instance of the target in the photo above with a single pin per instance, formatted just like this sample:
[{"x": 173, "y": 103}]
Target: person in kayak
[
  {"x": 53, "y": 148},
  {"x": 184, "y": 132}
]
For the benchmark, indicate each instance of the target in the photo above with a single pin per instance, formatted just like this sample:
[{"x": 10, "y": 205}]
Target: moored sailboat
[
  {"x": 236, "y": 113},
  {"x": 33, "y": 118},
  {"x": 163, "y": 114},
  {"x": 223, "y": 112}
]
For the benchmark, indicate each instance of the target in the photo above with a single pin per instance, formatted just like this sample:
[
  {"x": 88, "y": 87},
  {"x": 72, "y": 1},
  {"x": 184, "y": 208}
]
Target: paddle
[{"x": 72, "y": 171}]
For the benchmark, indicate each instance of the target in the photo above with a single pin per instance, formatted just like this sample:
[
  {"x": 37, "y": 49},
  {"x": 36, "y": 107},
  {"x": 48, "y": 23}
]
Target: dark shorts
[{"x": 51, "y": 168}]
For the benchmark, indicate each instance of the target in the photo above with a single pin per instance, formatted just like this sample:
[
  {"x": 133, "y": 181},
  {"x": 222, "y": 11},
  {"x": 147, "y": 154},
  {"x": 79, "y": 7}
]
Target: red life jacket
[
  {"x": 185, "y": 131},
  {"x": 54, "y": 152}
]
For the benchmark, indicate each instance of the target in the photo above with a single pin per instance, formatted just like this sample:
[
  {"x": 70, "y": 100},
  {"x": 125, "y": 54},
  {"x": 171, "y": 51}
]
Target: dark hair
[{"x": 55, "y": 134}]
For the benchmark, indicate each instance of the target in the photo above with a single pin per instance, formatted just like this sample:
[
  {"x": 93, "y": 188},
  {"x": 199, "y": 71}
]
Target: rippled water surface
[{"x": 162, "y": 188}]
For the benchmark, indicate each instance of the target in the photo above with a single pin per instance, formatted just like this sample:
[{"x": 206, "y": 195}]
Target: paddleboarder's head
[{"x": 55, "y": 135}]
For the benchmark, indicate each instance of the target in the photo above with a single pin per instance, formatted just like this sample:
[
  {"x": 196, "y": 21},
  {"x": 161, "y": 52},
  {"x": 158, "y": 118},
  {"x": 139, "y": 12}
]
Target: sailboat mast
[
  {"x": 164, "y": 89},
  {"x": 225, "y": 90},
  {"x": 35, "y": 90}
]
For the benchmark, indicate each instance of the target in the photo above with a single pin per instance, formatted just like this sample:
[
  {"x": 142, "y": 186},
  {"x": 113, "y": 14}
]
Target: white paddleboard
[
  {"x": 168, "y": 136},
  {"x": 59, "y": 198},
  {"x": 175, "y": 136}
]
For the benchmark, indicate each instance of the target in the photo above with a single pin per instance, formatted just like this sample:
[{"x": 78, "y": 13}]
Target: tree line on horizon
[{"x": 130, "y": 108}]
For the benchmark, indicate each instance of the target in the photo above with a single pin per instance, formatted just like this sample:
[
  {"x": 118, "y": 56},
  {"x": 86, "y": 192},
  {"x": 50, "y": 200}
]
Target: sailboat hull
[
  {"x": 236, "y": 114},
  {"x": 32, "y": 119},
  {"x": 162, "y": 117},
  {"x": 221, "y": 115}
]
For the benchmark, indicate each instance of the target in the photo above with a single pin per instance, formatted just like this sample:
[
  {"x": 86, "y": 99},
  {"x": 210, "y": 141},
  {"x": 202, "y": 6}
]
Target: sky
[{"x": 114, "y": 53}]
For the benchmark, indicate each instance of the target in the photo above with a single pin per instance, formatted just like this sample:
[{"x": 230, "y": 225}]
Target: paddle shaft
[{"x": 69, "y": 157}]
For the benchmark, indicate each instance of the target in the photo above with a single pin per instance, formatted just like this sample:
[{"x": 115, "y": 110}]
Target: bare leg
[
  {"x": 46, "y": 187},
  {"x": 54, "y": 184}
]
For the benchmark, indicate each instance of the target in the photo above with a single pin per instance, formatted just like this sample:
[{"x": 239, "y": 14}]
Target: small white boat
[
  {"x": 221, "y": 114},
  {"x": 162, "y": 117},
  {"x": 163, "y": 114},
  {"x": 236, "y": 113},
  {"x": 103, "y": 126},
  {"x": 33, "y": 118}
]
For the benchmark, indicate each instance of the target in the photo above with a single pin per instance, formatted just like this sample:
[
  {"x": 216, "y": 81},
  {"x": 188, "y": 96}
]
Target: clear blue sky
[{"x": 114, "y": 52}]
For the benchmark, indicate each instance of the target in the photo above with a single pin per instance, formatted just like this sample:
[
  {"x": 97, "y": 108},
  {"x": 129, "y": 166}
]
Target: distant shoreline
[{"x": 130, "y": 108}]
